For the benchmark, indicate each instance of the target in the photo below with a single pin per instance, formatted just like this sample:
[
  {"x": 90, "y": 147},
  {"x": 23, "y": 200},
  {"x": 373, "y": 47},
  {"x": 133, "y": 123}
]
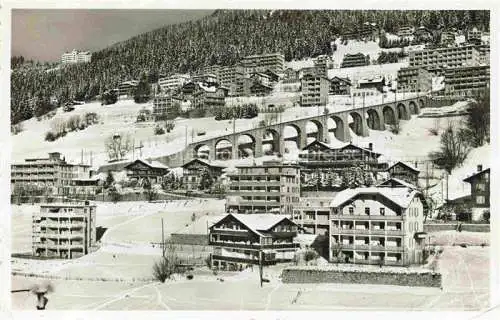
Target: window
[
  {"x": 351, "y": 210},
  {"x": 480, "y": 187},
  {"x": 382, "y": 211},
  {"x": 480, "y": 200},
  {"x": 367, "y": 211}
]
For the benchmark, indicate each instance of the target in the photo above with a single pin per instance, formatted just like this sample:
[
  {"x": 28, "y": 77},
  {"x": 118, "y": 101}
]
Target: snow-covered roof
[
  {"x": 150, "y": 163},
  {"x": 202, "y": 162},
  {"x": 469, "y": 179},
  {"x": 207, "y": 88},
  {"x": 258, "y": 222},
  {"x": 400, "y": 196}
]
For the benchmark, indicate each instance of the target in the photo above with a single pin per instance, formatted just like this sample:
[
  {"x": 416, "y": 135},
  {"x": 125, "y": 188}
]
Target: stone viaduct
[{"x": 359, "y": 120}]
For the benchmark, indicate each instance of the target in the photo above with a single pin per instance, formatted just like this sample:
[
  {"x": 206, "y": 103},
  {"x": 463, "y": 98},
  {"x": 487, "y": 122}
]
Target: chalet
[
  {"x": 405, "y": 172},
  {"x": 240, "y": 240},
  {"x": 192, "y": 172},
  {"x": 318, "y": 154},
  {"x": 480, "y": 192},
  {"x": 273, "y": 76},
  {"x": 127, "y": 88},
  {"x": 340, "y": 86},
  {"x": 396, "y": 183},
  {"x": 259, "y": 89},
  {"x": 208, "y": 97},
  {"x": 140, "y": 170}
]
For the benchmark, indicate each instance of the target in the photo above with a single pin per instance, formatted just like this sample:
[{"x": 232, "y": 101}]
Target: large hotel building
[
  {"x": 467, "y": 81},
  {"x": 64, "y": 230},
  {"x": 447, "y": 57},
  {"x": 76, "y": 56},
  {"x": 274, "y": 62},
  {"x": 272, "y": 187},
  {"x": 377, "y": 225},
  {"x": 53, "y": 174}
]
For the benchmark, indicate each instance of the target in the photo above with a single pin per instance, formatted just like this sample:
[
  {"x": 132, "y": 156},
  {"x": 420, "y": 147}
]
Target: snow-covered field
[{"x": 465, "y": 287}]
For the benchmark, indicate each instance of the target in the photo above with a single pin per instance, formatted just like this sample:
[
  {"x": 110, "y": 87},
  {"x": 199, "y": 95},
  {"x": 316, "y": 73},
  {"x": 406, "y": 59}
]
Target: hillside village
[{"x": 370, "y": 157}]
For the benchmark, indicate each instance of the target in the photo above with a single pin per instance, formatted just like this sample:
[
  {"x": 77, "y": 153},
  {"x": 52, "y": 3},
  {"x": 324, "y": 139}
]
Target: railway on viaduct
[{"x": 341, "y": 123}]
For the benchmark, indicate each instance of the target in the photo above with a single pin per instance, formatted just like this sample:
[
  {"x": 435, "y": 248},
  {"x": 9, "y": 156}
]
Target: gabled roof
[
  {"x": 258, "y": 223},
  {"x": 341, "y": 79},
  {"x": 404, "y": 165},
  {"x": 197, "y": 160},
  {"x": 151, "y": 164},
  {"x": 469, "y": 179},
  {"x": 317, "y": 142},
  {"x": 353, "y": 146},
  {"x": 395, "y": 182},
  {"x": 400, "y": 196}
]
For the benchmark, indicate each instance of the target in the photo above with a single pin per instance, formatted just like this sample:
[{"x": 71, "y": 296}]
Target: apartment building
[
  {"x": 270, "y": 187},
  {"x": 312, "y": 71},
  {"x": 64, "y": 230},
  {"x": 473, "y": 36},
  {"x": 242, "y": 240},
  {"x": 209, "y": 79},
  {"x": 127, "y": 88},
  {"x": 448, "y": 57},
  {"x": 355, "y": 60},
  {"x": 414, "y": 79},
  {"x": 229, "y": 76},
  {"x": 448, "y": 38},
  {"x": 324, "y": 63},
  {"x": 377, "y": 225},
  {"x": 467, "y": 81},
  {"x": 480, "y": 192},
  {"x": 164, "y": 104},
  {"x": 405, "y": 31},
  {"x": 76, "y": 56},
  {"x": 173, "y": 82},
  {"x": 314, "y": 90},
  {"x": 484, "y": 54},
  {"x": 312, "y": 213},
  {"x": 260, "y": 63},
  {"x": 340, "y": 86},
  {"x": 49, "y": 175}
]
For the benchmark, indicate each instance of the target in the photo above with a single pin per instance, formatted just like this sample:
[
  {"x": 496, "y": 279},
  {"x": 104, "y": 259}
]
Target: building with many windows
[
  {"x": 228, "y": 77},
  {"x": 270, "y": 187},
  {"x": 448, "y": 57},
  {"x": 467, "y": 81},
  {"x": 141, "y": 170},
  {"x": 262, "y": 62},
  {"x": 173, "y": 82},
  {"x": 414, "y": 79},
  {"x": 355, "y": 60},
  {"x": 164, "y": 105},
  {"x": 312, "y": 214},
  {"x": 76, "y": 56},
  {"x": 314, "y": 90},
  {"x": 480, "y": 192},
  {"x": 377, "y": 225},
  {"x": 208, "y": 96},
  {"x": 64, "y": 230},
  {"x": 192, "y": 172},
  {"x": 45, "y": 176},
  {"x": 240, "y": 240},
  {"x": 340, "y": 86},
  {"x": 127, "y": 88}
]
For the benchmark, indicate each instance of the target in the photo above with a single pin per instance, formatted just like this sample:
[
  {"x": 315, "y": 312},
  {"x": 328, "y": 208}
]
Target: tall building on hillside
[
  {"x": 445, "y": 57},
  {"x": 47, "y": 176},
  {"x": 414, "y": 79},
  {"x": 314, "y": 90},
  {"x": 229, "y": 76},
  {"x": 126, "y": 88},
  {"x": 163, "y": 106},
  {"x": 76, "y": 56},
  {"x": 355, "y": 60},
  {"x": 271, "y": 187},
  {"x": 64, "y": 230},
  {"x": 262, "y": 62},
  {"x": 467, "y": 81},
  {"x": 377, "y": 225},
  {"x": 173, "y": 82}
]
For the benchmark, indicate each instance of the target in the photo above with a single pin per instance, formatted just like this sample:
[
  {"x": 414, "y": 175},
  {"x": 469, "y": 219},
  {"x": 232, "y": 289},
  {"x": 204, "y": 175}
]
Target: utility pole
[
  {"x": 162, "y": 240},
  {"x": 260, "y": 267}
]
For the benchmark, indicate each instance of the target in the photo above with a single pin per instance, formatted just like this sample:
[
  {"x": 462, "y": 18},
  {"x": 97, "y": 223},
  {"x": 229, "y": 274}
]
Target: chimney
[
  {"x": 479, "y": 167},
  {"x": 370, "y": 146}
]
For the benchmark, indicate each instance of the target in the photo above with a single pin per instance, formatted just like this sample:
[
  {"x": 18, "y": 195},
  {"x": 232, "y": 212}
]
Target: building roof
[
  {"x": 341, "y": 79},
  {"x": 150, "y": 163},
  {"x": 258, "y": 223},
  {"x": 395, "y": 182},
  {"x": 206, "y": 163},
  {"x": 412, "y": 168},
  {"x": 350, "y": 145},
  {"x": 317, "y": 142},
  {"x": 472, "y": 177},
  {"x": 372, "y": 80},
  {"x": 400, "y": 196}
]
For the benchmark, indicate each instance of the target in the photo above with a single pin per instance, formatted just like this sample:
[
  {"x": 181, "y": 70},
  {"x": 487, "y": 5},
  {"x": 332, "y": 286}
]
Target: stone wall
[
  {"x": 471, "y": 227},
  {"x": 189, "y": 239},
  {"x": 329, "y": 275}
]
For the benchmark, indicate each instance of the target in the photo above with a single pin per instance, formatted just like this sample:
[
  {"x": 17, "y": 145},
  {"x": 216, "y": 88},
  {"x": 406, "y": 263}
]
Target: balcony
[
  {"x": 365, "y": 217},
  {"x": 230, "y": 232},
  {"x": 368, "y": 247},
  {"x": 254, "y": 246},
  {"x": 61, "y": 235},
  {"x": 241, "y": 260}
]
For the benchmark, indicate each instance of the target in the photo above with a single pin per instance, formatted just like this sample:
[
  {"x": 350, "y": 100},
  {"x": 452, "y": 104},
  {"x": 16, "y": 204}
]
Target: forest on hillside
[{"x": 221, "y": 38}]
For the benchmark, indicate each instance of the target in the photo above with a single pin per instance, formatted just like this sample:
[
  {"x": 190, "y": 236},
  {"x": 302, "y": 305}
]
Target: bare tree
[
  {"x": 118, "y": 145},
  {"x": 453, "y": 151},
  {"x": 58, "y": 126}
]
